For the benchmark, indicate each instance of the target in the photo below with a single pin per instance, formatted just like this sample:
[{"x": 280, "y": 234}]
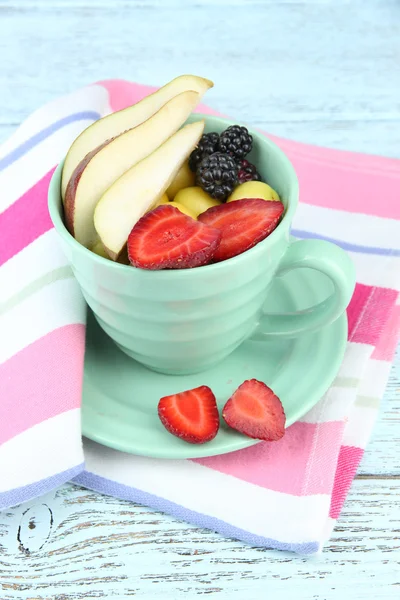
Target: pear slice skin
[
  {"x": 104, "y": 165},
  {"x": 140, "y": 188},
  {"x": 116, "y": 123}
]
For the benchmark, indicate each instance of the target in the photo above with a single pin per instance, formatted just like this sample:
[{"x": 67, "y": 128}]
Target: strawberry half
[
  {"x": 165, "y": 238},
  {"x": 256, "y": 411},
  {"x": 191, "y": 415},
  {"x": 243, "y": 223}
]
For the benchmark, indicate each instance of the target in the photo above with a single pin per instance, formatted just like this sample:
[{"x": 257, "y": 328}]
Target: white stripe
[
  {"x": 337, "y": 401},
  {"x": 41, "y": 451},
  {"x": 375, "y": 378},
  {"x": 355, "y": 360},
  {"x": 29, "y": 169},
  {"x": 328, "y": 530},
  {"x": 372, "y": 375},
  {"x": 250, "y": 507},
  {"x": 91, "y": 97},
  {"x": 374, "y": 270},
  {"x": 372, "y": 385},
  {"x": 54, "y": 306},
  {"x": 34, "y": 261},
  {"x": 334, "y": 406},
  {"x": 21, "y": 175},
  {"x": 354, "y": 228},
  {"x": 359, "y": 426}
]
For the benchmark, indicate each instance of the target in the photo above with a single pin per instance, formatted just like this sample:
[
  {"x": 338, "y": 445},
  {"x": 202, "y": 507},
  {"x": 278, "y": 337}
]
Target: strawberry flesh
[
  {"x": 243, "y": 224},
  {"x": 256, "y": 411},
  {"x": 191, "y": 415},
  {"x": 165, "y": 238}
]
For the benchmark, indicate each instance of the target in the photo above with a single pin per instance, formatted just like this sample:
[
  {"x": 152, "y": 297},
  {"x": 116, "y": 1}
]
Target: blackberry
[
  {"x": 236, "y": 141},
  {"x": 247, "y": 172},
  {"x": 217, "y": 175},
  {"x": 206, "y": 146}
]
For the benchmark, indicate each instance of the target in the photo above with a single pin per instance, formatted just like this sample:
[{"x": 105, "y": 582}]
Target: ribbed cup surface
[{"x": 185, "y": 321}]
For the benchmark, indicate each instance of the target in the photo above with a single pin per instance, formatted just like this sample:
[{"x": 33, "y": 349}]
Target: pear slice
[
  {"x": 101, "y": 167},
  {"x": 118, "y": 122},
  {"x": 140, "y": 188}
]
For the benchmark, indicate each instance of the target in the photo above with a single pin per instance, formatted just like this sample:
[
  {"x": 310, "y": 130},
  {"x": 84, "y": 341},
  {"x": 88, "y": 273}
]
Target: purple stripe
[
  {"x": 309, "y": 235},
  {"x": 119, "y": 490},
  {"x": 39, "y": 137},
  {"x": 34, "y": 490}
]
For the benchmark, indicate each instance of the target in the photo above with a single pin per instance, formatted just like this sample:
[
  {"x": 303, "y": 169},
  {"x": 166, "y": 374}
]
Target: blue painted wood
[
  {"x": 100, "y": 547},
  {"x": 320, "y": 71},
  {"x": 303, "y": 69}
]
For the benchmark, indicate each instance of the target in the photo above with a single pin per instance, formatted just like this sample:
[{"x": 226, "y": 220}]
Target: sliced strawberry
[
  {"x": 165, "y": 238},
  {"x": 243, "y": 223},
  {"x": 256, "y": 411},
  {"x": 191, "y": 415}
]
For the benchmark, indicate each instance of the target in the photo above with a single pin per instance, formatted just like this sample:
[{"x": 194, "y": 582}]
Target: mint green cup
[{"x": 185, "y": 321}]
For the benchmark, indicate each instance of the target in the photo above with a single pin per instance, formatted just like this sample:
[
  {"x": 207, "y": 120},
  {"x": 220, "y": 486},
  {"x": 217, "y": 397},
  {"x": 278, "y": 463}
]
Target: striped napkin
[{"x": 285, "y": 495}]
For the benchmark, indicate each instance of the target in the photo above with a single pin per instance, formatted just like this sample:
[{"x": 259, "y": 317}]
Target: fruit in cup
[
  {"x": 235, "y": 141},
  {"x": 165, "y": 238},
  {"x": 134, "y": 157},
  {"x": 99, "y": 249},
  {"x": 243, "y": 224},
  {"x": 163, "y": 200},
  {"x": 191, "y": 415},
  {"x": 184, "y": 178},
  {"x": 123, "y": 257},
  {"x": 253, "y": 189},
  {"x": 184, "y": 209},
  {"x": 207, "y": 145},
  {"x": 196, "y": 199},
  {"x": 255, "y": 411},
  {"x": 104, "y": 165},
  {"x": 247, "y": 172},
  {"x": 217, "y": 175},
  {"x": 116, "y": 123},
  {"x": 139, "y": 188}
]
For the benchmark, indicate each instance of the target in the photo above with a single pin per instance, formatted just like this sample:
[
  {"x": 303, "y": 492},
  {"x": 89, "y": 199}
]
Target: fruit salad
[{"x": 141, "y": 188}]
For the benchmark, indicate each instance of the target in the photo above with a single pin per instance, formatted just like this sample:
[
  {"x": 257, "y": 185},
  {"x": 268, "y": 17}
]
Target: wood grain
[
  {"x": 99, "y": 547},
  {"x": 382, "y": 455},
  {"x": 319, "y": 71},
  {"x": 304, "y": 69}
]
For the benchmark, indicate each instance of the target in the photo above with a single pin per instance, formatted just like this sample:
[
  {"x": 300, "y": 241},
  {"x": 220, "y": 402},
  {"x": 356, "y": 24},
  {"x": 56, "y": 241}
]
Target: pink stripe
[
  {"x": 302, "y": 463},
  {"x": 343, "y": 188},
  {"x": 25, "y": 220},
  {"x": 43, "y": 380},
  {"x": 387, "y": 343},
  {"x": 347, "y": 465},
  {"x": 369, "y": 312},
  {"x": 124, "y": 93},
  {"x": 333, "y": 178}
]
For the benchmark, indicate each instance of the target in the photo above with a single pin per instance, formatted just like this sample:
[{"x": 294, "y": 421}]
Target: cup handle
[{"x": 326, "y": 258}]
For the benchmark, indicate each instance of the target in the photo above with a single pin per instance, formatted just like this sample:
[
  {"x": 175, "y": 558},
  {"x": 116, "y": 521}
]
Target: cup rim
[{"x": 55, "y": 211}]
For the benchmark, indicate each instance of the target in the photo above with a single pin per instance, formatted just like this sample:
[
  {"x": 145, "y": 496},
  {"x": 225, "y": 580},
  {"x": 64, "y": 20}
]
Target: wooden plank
[
  {"x": 6, "y": 130},
  {"x": 382, "y": 455},
  {"x": 271, "y": 62},
  {"x": 90, "y": 546},
  {"x": 372, "y": 137}
]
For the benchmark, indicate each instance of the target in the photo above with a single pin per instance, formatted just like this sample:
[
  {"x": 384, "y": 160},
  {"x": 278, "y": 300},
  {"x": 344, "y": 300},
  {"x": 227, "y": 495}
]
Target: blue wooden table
[{"x": 320, "y": 71}]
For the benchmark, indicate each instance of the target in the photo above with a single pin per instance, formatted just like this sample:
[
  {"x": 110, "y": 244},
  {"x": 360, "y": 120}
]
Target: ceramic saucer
[{"x": 120, "y": 396}]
